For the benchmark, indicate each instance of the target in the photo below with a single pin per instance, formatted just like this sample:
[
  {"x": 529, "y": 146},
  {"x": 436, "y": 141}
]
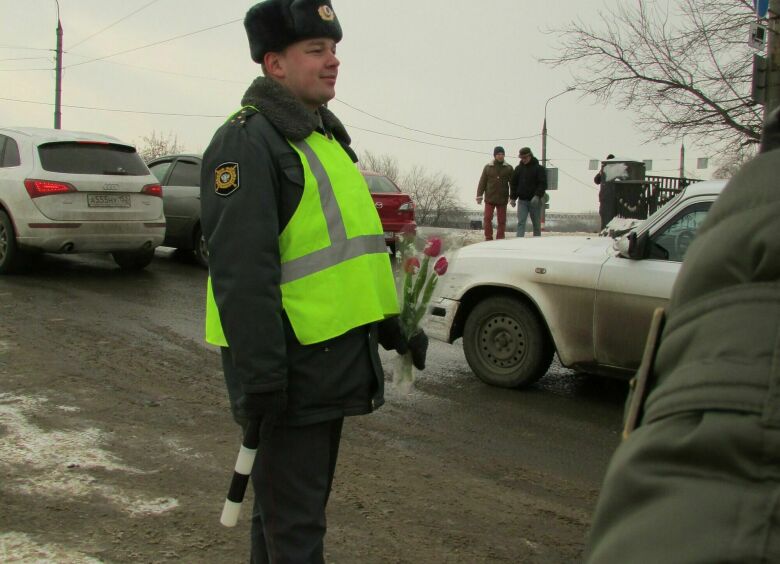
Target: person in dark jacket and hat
[
  {"x": 527, "y": 188},
  {"x": 493, "y": 187},
  {"x": 301, "y": 290},
  {"x": 607, "y": 204}
]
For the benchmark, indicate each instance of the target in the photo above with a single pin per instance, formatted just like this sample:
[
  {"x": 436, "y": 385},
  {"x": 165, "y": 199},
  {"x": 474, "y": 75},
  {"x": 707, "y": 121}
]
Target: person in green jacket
[
  {"x": 697, "y": 477},
  {"x": 301, "y": 289}
]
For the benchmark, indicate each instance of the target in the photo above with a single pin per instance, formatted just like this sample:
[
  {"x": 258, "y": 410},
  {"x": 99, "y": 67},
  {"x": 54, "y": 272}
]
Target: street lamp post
[
  {"x": 544, "y": 125},
  {"x": 58, "y": 87}
]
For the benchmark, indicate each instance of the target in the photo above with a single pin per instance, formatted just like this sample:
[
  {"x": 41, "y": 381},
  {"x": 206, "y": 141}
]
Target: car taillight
[
  {"x": 152, "y": 190},
  {"x": 408, "y": 206},
  {"x": 38, "y": 188}
]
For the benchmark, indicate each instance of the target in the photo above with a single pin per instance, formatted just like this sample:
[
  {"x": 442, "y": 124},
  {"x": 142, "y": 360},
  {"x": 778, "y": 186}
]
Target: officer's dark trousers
[{"x": 292, "y": 477}]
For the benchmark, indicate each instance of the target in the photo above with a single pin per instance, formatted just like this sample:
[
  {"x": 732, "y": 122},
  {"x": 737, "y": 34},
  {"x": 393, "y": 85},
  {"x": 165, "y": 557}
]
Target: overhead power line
[
  {"x": 113, "y": 24},
  {"x": 172, "y": 73},
  {"x": 155, "y": 43},
  {"x": 415, "y": 140},
  {"x": 25, "y": 70},
  {"x": 24, "y": 48},
  {"x": 356, "y": 128},
  {"x": 570, "y": 147},
  {"x": 577, "y": 180},
  {"x": 433, "y": 134},
  {"x": 119, "y": 110},
  {"x": 222, "y": 116},
  {"x": 26, "y": 59}
]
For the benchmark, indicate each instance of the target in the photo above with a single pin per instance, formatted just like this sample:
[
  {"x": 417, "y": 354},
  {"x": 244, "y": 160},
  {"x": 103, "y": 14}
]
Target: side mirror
[{"x": 637, "y": 246}]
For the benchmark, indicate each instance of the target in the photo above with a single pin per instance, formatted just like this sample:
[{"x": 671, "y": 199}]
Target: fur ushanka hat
[{"x": 274, "y": 24}]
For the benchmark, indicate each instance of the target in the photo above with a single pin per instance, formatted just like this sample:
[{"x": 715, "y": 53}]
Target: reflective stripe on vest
[
  {"x": 335, "y": 270},
  {"x": 341, "y": 248}
]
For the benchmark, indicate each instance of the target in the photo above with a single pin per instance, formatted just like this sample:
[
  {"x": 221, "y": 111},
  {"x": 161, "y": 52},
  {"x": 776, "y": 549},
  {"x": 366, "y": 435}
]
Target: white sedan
[{"x": 515, "y": 302}]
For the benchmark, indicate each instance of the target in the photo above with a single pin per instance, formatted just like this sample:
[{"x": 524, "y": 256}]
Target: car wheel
[
  {"x": 200, "y": 248},
  {"x": 506, "y": 344},
  {"x": 133, "y": 260},
  {"x": 11, "y": 257}
]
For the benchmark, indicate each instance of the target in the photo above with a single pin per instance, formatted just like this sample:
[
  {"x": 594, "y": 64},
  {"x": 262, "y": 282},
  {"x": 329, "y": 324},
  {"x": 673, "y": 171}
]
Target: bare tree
[
  {"x": 433, "y": 194},
  {"x": 383, "y": 164},
  {"x": 683, "y": 67},
  {"x": 732, "y": 162},
  {"x": 158, "y": 146}
]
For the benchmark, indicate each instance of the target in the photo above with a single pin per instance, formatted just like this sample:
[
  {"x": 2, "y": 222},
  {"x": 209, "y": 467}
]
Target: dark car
[
  {"x": 396, "y": 209},
  {"x": 180, "y": 178}
]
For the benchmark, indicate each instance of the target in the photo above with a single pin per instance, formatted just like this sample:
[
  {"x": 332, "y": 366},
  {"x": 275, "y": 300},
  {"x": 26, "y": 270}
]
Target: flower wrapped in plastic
[{"x": 419, "y": 282}]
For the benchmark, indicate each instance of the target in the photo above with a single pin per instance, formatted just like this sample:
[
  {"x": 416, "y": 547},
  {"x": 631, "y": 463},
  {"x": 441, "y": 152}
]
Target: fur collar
[{"x": 293, "y": 120}]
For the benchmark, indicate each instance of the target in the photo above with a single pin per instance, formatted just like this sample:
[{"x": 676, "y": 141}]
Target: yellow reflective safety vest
[{"x": 335, "y": 270}]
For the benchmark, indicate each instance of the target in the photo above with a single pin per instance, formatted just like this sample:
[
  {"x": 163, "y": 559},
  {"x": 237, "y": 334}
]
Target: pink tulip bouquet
[{"x": 417, "y": 288}]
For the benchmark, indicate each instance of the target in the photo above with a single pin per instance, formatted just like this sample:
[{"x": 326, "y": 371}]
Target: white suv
[{"x": 74, "y": 192}]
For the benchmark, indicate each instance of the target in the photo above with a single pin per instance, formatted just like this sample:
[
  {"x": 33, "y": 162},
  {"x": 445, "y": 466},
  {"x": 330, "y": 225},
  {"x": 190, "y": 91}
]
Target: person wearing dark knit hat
[
  {"x": 493, "y": 187},
  {"x": 527, "y": 188},
  {"x": 296, "y": 304}
]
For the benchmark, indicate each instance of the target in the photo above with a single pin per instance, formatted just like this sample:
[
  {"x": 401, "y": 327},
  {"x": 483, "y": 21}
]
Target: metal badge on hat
[{"x": 327, "y": 13}]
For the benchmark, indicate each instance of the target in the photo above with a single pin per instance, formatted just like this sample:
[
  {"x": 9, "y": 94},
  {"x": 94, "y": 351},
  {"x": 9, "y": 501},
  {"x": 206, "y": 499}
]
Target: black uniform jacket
[
  {"x": 242, "y": 221},
  {"x": 528, "y": 180}
]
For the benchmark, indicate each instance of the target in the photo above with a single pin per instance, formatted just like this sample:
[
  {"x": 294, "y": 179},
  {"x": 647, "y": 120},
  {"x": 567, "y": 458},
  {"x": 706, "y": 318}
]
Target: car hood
[{"x": 544, "y": 246}]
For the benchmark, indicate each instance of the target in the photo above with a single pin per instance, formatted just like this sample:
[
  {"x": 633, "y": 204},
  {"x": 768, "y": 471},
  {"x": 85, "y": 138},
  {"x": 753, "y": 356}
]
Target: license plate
[{"x": 108, "y": 200}]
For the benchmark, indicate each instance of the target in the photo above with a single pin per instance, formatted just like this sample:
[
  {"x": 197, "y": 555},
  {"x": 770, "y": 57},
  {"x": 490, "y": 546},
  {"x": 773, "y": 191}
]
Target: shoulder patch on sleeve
[{"x": 226, "y": 178}]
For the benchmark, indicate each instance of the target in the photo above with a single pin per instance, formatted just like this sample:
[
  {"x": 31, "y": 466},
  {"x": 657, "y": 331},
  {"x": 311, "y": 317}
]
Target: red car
[{"x": 396, "y": 209}]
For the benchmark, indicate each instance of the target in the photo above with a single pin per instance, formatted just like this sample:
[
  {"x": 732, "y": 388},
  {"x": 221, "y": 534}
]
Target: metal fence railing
[{"x": 638, "y": 199}]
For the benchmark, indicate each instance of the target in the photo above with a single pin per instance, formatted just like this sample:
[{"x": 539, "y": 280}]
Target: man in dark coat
[
  {"x": 493, "y": 186},
  {"x": 526, "y": 190},
  {"x": 607, "y": 204},
  {"x": 697, "y": 477},
  {"x": 290, "y": 366}
]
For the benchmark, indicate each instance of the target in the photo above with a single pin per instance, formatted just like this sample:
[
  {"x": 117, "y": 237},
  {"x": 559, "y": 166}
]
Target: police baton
[{"x": 243, "y": 468}]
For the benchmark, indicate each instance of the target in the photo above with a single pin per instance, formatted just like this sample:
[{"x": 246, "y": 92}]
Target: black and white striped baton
[{"x": 241, "y": 473}]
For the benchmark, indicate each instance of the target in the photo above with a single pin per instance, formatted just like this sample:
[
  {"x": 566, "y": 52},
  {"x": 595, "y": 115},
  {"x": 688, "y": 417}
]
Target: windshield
[
  {"x": 91, "y": 158},
  {"x": 380, "y": 185}
]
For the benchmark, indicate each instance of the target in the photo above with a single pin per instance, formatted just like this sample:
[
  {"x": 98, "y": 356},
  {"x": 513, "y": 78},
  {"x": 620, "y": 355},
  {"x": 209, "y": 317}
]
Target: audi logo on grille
[{"x": 379, "y": 205}]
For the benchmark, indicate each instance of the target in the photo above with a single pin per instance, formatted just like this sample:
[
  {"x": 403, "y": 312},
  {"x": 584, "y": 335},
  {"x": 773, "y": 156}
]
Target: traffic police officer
[
  {"x": 697, "y": 478},
  {"x": 301, "y": 288}
]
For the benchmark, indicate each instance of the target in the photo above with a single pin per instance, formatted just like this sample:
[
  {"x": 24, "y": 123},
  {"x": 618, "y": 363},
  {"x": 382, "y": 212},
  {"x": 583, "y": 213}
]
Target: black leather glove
[
  {"x": 418, "y": 347},
  {"x": 390, "y": 335},
  {"x": 264, "y": 405}
]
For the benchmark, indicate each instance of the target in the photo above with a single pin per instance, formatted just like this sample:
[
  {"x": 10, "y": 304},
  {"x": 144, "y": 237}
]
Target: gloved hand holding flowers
[{"x": 416, "y": 291}]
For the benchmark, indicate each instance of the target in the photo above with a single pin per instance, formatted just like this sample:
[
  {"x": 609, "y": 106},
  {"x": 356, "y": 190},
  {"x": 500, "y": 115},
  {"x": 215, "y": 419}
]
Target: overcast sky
[{"x": 464, "y": 74}]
